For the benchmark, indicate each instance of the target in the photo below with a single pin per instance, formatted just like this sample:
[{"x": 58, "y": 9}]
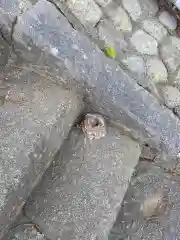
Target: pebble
[
  {"x": 171, "y": 96},
  {"x": 155, "y": 29},
  {"x": 170, "y": 53},
  {"x": 120, "y": 19},
  {"x": 133, "y": 8},
  {"x": 168, "y": 20},
  {"x": 156, "y": 71},
  {"x": 87, "y": 11},
  {"x": 144, "y": 43}
]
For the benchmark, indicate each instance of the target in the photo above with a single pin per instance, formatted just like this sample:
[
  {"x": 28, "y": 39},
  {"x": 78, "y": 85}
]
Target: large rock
[
  {"x": 140, "y": 9},
  {"x": 9, "y": 10},
  {"x": 35, "y": 119},
  {"x": 170, "y": 53},
  {"x": 119, "y": 18},
  {"x": 153, "y": 191},
  {"x": 171, "y": 96},
  {"x": 144, "y": 43},
  {"x": 107, "y": 87},
  {"x": 155, "y": 29},
  {"x": 87, "y": 11},
  {"x": 168, "y": 20},
  {"x": 156, "y": 70},
  {"x": 81, "y": 193}
]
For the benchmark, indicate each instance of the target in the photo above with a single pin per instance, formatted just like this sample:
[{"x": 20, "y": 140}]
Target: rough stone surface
[
  {"x": 170, "y": 53},
  {"x": 156, "y": 71},
  {"x": 155, "y": 29},
  {"x": 81, "y": 193},
  {"x": 171, "y": 96},
  {"x": 9, "y": 10},
  {"x": 25, "y": 232},
  {"x": 110, "y": 35},
  {"x": 168, "y": 20},
  {"x": 103, "y": 3},
  {"x": 133, "y": 8},
  {"x": 120, "y": 19},
  {"x": 144, "y": 43},
  {"x": 35, "y": 118},
  {"x": 108, "y": 89},
  {"x": 135, "y": 64},
  {"x": 165, "y": 224},
  {"x": 87, "y": 11},
  {"x": 140, "y": 9}
]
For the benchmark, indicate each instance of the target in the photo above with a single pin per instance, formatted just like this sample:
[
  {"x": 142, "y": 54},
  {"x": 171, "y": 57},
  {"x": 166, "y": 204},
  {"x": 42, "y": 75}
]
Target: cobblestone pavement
[
  {"x": 145, "y": 41},
  {"x": 147, "y": 47}
]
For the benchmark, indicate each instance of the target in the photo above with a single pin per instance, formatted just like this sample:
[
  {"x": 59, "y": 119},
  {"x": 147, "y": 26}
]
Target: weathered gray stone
[
  {"x": 155, "y": 29},
  {"x": 133, "y": 8},
  {"x": 81, "y": 193},
  {"x": 170, "y": 53},
  {"x": 34, "y": 120},
  {"x": 108, "y": 89},
  {"x": 9, "y": 10},
  {"x": 110, "y": 35},
  {"x": 144, "y": 43},
  {"x": 171, "y": 96},
  {"x": 149, "y": 181},
  {"x": 87, "y": 11},
  {"x": 135, "y": 64},
  {"x": 156, "y": 70},
  {"x": 120, "y": 19},
  {"x": 140, "y": 9},
  {"x": 168, "y": 20},
  {"x": 25, "y": 232},
  {"x": 103, "y": 3}
]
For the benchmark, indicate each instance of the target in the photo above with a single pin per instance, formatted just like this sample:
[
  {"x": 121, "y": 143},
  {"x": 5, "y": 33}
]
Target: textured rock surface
[
  {"x": 171, "y": 96},
  {"x": 103, "y": 3},
  {"x": 170, "y": 53},
  {"x": 25, "y": 232},
  {"x": 135, "y": 64},
  {"x": 81, "y": 193},
  {"x": 87, "y": 11},
  {"x": 120, "y": 19},
  {"x": 144, "y": 43},
  {"x": 110, "y": 90},
  {"x": 156, "y": 71},
  {"x": 35, "y": 118},
  {"x": 168, "y": 20},
  {"x": 111, "y": 36},
  {"x": 165, "y": 224},
  {"x": 133, "y": 8},
  {"x": 155, "y": 29}
]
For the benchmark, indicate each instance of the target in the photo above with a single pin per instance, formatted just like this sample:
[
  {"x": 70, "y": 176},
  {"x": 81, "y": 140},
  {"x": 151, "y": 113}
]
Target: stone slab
[
  {"x": 81, "y": 193},
  {"x": 35, "y": 119},
  {"x": 165, "y": 223},
  {"x": 109, "y": 89}
]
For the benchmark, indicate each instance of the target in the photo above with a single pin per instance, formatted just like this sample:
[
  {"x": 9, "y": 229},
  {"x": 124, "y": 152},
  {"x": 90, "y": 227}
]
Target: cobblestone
[
  {"x": 120, "y": 19},
  {"x": 156, "y": 71},
  {"x": 170, "y": 53},
  {"x": 155, "y": 29},
  {"x": 168, "y": 20},
  {"x": 133, "y": 8},
  {"x": 135, "y": 64},
  {"x": 87, "y": 11},
  {"x": 171, "y": 96},
  {"x": 144, "y": 43}
]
